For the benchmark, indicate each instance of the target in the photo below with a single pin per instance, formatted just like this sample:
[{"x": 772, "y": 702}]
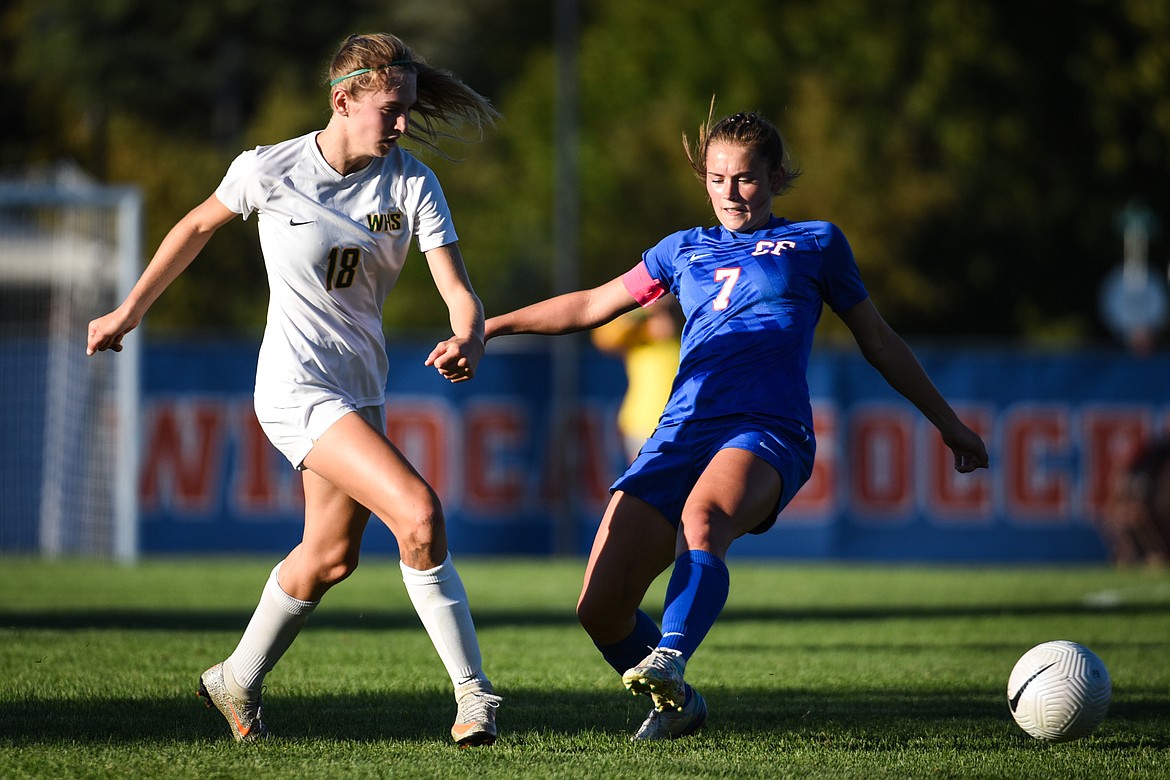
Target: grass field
[{"x": 814, "y": 671}]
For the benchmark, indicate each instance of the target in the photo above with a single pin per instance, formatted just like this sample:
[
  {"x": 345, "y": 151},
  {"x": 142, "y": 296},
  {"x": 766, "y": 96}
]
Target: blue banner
[{"x": 1060, "y": 429}]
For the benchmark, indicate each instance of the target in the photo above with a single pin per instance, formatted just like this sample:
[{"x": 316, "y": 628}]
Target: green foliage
[
  {"x": 811, "y": 671},
  {"x": 976, "y": 154}
]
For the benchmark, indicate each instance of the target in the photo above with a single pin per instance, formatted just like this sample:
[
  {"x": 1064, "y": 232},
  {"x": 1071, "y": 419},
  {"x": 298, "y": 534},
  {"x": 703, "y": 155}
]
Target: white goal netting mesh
[{"x": 68, "y": 458}]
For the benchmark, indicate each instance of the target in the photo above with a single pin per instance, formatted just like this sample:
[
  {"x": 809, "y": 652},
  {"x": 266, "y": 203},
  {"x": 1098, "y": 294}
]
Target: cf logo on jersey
[
  {"x": 772, "y": 247},
  {"x": 384, "y": 223}
]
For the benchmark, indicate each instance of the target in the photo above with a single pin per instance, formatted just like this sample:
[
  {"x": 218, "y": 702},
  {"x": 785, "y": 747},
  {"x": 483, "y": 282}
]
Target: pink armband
[{"x": 639, "y": 284}]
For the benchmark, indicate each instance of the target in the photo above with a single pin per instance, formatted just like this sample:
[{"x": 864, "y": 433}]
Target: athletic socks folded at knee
[
  {"x": 440, "y": 600},
  {"x": 274, "y": 625},
  {"x": 695, "y": 596}
]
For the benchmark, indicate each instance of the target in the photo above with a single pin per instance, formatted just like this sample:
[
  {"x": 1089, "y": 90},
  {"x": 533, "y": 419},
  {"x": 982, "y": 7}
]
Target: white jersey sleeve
[{"x": 232, "y": 191}]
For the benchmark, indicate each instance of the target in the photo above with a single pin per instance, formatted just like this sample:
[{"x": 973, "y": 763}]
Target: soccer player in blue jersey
[{"x": 735, "y": 441}]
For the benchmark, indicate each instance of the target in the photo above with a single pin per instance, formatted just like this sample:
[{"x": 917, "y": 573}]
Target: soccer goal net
[{"x": 69, "y": 251}]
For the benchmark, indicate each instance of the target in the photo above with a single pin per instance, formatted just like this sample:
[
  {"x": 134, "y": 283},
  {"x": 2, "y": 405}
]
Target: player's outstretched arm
[
  {"x": 889, "y": 354},
  {"x": 456, "y": 358},
  {"x": 181, "y": 245},
  {"x": 568, "y": 313}
]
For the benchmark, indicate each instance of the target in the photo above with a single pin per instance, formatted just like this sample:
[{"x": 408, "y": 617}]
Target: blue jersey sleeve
[
  {"x": 660, "y": 260},
  {"x": 841, "y": 283}
]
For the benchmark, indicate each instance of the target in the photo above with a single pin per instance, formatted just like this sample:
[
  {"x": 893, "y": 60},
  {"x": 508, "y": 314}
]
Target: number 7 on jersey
[{"x": 729, "y": 276}]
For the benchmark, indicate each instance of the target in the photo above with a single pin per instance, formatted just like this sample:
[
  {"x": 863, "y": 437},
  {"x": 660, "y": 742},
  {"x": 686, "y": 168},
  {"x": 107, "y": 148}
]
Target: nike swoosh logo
[
  {"x": 239, "y": 726},
  {"x": 294, "y": 223},
  {"x": 1014, "y": 701},
  {"x": 698, "y": 257}
]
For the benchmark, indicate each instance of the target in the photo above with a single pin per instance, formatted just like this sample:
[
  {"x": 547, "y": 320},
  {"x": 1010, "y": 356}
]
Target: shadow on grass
[
  {"x": 868, "y": 719},
  {"x": 488, "y": 617}
]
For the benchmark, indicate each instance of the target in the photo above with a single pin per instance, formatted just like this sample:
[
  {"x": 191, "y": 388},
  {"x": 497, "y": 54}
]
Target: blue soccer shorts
[{"x": 673, "y": 458}]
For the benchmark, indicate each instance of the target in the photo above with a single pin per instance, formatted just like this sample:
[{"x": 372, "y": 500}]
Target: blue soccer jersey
[{"x": 752, "y": 302}]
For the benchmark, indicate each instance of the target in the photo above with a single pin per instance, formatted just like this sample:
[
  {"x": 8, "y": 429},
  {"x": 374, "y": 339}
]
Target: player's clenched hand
[
  {"x": 106, "y": 332},
  {"x": 969, "y": 450},
  {"x": 456, "y": 359}
]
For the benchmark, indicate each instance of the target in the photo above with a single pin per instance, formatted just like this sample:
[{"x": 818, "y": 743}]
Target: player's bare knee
[
  {"x": 697, "y": 533},
  {"x": 590, "y": 617},
  {"x": 419, "y": 531},
  {"x": 598, "y": 616},
  {"x": 422, "y": 539},
  {"x": 706, "y": 529}
]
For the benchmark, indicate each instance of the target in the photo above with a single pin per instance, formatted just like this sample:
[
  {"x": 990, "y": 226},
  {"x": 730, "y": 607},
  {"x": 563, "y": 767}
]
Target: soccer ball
[{"x": 1059, "y": 691}]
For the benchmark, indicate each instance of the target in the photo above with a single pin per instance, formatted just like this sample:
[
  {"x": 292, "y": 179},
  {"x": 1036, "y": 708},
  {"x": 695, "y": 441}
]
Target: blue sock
[
  {"x": 695, "y": 596},
  {"x": 630, "y": 651}
]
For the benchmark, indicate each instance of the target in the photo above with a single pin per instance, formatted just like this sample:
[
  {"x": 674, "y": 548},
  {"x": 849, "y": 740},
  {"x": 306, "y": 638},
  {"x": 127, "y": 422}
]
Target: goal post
[{"x": 70, "y": 250}]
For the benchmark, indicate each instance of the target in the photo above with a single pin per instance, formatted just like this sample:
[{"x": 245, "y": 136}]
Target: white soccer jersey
[{"x": 333, "y": 247}]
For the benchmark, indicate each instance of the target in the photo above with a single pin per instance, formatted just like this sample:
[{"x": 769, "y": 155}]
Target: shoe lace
[
  {"x": 477, "y": 706},
  {"x": 253, "y": 709},
  {"x": 666, "y": 660}
]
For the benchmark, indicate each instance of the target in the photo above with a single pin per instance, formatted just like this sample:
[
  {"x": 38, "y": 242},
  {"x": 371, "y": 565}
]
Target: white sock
[
  {"x": 274, "y": 625},
  {"x": 441, "y": 603}
]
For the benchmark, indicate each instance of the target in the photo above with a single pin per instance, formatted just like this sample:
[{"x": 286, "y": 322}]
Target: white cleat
[
  {"x": 242, "y": 715},
  {"x": 672, "y": 725},
  {"x": 475, "y": 723},
  {"x": 661, "y": 676}
]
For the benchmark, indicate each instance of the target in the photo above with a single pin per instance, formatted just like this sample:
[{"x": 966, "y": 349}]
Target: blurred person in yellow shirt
[{"x": 648, "y": 342}]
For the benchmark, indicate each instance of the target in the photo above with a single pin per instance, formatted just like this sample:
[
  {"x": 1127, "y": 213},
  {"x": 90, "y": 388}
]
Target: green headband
[{"x": 360, "y": 71}]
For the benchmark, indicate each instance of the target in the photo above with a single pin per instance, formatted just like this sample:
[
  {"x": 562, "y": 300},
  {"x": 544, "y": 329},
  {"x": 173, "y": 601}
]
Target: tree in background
[
  {"x": 975, "y": 156},
  {"x": 165, "y": 95}
]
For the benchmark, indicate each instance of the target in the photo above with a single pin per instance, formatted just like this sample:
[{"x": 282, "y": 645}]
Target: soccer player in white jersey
[
  {"x": 735, "y": 441},
  {"x": 336, "y": 211}
]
